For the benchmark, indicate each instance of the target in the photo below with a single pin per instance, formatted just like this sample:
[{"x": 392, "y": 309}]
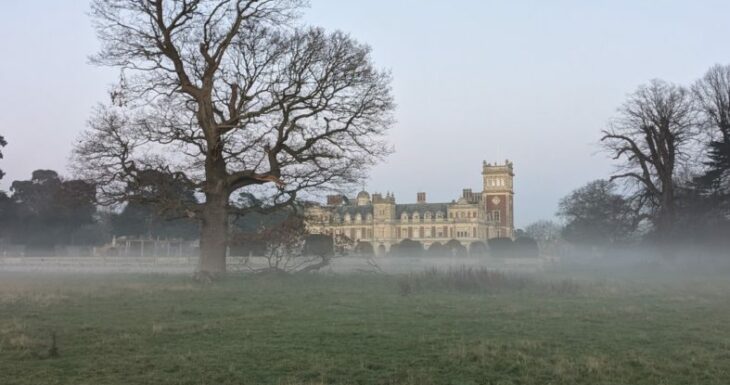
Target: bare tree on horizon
[
  {"x": 652, "y": 136},
  {"x": 230, "y": 96}
]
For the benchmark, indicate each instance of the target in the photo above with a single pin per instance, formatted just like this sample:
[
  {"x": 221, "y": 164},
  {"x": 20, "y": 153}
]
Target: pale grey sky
[{"x": 532, "y": 81}]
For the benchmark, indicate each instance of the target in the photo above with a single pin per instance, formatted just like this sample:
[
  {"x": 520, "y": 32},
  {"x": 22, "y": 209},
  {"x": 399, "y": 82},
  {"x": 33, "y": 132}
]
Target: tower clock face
[{"x": 496, "y": 200}]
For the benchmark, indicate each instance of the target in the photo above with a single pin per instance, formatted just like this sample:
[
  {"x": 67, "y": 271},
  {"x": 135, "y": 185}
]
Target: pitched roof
[
  {"x": 420, "y": 208},
  {"x": 353, "y": 210}
]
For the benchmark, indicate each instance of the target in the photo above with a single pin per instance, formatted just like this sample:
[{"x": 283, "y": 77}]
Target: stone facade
[{"x": 379, "y": 220}]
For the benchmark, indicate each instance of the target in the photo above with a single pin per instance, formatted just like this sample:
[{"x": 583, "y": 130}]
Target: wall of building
[{"x": 473, "y": 217}]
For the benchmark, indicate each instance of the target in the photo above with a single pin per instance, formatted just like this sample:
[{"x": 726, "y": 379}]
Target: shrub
[
  {"x": 501, "y": 247},
  {"x": 365, "y": 249},
  {"x": 526, "y": 247},
  {"x": 437, "y": 250},
  {"x": 456, "y": 248},
  {"x": 478, "y": 249},
  {"x": 318, "y": 245},
  {"x": 408, "y": 248}
]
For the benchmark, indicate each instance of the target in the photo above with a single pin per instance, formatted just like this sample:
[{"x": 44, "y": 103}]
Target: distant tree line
[
  {"x": 48, "y": 210},
  {"x": 671, "y": 187}
]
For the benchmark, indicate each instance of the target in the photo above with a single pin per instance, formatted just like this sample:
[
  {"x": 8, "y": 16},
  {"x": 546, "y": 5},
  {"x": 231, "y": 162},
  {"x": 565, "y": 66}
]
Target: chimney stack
[
  {"x": 468, "y": 195},
  {"x": 334, "y": 200},
  {"x": 421, "y": 197}
]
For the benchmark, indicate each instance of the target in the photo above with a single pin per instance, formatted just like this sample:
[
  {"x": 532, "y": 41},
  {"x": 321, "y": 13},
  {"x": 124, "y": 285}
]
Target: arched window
[
  {"x": 358, "y": 218},
  {"x": 427, "y": 216},
  {"x": 404, "y": 217},
  {"x": 439, "y": 215},
  {"x": 347, "y": 218}
]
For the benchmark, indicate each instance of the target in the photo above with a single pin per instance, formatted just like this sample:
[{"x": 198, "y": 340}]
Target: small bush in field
[{"x": 405, "y": 286}]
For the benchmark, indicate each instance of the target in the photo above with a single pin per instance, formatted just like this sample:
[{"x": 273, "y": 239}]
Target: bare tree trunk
[
  {"x": 664, "y": 219},
  {"x": 667, "y": 226},
  {"x": 214, "y": 226},
  {"x": 668, "y": 210},
  {"x": 214, "y": 235}
]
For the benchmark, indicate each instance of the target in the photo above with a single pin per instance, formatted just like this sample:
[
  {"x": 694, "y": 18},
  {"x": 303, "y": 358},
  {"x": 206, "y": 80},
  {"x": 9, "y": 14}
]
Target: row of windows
[
  {"x": 496, "y": 182},
  {"x": 463, "y": 214},
  {"x": 422, "y": 232},
  {"x": 494, "y": 215},
  {"x": 358, "y": 218},
  {"x": 427, "y": 216},
  {"x": 353, "y": 233},
  {"x": 413, "y": 233},
  {"x": 440, "y": 232},
  {"x": 459, "y": 214}
]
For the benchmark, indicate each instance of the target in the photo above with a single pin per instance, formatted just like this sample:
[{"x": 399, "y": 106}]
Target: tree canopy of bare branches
[
  {"x": 230, "y": 96},
  {"x": 650, "y": 138},
  {"x": 712, "y": 94}
]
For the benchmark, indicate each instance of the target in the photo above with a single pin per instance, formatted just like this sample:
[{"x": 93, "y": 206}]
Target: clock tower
[{"x": 498, "y": 197}]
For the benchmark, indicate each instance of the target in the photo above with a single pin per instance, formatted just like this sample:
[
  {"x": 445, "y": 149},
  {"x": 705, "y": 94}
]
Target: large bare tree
[
  {"x": 651, "y": 137},
  {"x": 230, "y": 96}
]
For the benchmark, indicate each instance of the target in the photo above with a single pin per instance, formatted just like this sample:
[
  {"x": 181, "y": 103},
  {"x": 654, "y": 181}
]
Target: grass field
[{"x": 426, "y": 328}]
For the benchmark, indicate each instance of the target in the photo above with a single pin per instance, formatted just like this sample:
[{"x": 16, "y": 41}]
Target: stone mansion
[{"x": 379, "y": 220}]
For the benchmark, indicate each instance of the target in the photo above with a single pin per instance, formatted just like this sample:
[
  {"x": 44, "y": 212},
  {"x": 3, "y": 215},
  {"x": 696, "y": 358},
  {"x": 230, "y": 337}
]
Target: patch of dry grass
[{"x": 469, "y": 279}]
